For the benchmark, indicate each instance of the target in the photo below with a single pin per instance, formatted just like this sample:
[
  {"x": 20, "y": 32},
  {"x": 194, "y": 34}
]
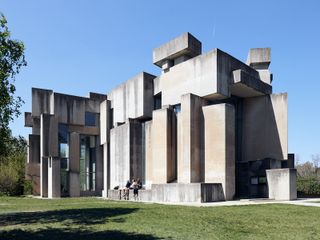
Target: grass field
[{"x": 92, "y": 218}]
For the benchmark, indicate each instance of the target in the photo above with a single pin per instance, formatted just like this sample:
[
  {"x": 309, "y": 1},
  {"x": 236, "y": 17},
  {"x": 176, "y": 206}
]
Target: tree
[{"x": 11, "y": 60}]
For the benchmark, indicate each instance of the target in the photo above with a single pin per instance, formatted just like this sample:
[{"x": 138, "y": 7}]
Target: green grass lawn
[{"x": 92, "y": 218}]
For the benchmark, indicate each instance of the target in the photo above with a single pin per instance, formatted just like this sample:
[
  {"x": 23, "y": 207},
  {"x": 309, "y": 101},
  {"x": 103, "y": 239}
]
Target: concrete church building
[{"x": 207, "y": 129}]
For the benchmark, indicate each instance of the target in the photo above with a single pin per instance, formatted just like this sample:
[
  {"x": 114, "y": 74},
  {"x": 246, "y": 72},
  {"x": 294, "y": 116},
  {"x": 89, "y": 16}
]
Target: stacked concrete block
[
  {"x": 191, "y": 140},
  {"x": 164, "y": 163},
  {"x": 206, "y": 129},
  {"x": 282, "y": 184},
  {"x": 219, "y": 122}
]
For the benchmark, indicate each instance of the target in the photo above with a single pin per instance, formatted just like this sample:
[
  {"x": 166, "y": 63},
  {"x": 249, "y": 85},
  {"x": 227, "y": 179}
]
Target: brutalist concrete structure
[{"x": 208, "y": 128}]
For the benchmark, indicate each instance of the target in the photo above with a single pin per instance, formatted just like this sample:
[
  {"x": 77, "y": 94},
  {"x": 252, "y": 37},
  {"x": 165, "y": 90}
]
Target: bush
[
  {"x": 308, "y": 185},
  {"x": 12, "y": 174},
  {"x": 27, "y": 187}
]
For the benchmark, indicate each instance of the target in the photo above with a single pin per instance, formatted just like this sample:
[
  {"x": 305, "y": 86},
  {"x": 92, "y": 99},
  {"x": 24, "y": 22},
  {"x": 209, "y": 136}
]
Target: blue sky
[{"x": 77, "y": 46}]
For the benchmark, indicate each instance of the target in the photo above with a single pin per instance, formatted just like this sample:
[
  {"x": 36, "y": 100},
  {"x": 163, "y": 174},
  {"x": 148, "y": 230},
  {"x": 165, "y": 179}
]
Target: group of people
[{"x": 135, "y": 184}]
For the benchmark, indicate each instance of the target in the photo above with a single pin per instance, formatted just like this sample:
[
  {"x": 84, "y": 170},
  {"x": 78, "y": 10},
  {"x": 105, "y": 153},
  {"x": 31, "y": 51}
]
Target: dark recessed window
[
  {"x": 262, "y": 180},
  {"x": 177, "y": 108},
  {"x": 254, "y": 180},
  {"x": 91, "y": 119}
]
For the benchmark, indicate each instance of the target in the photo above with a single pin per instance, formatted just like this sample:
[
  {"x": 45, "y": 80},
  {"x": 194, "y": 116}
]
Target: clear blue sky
[{"x": 78, "y": 46}]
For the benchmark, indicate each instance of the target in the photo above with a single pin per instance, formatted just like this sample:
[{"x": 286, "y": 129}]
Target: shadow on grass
[
  {"x": 86, "y": 216},
  {"x": 65, "y": 234},
  {"x": 72, "y": 224}
]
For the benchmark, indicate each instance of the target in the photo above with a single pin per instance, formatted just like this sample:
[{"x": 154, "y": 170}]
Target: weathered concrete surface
[
  {"x": 33, "y": 174},
  {"x": 259, "y": 58},
  {"x": 106, "y": 170},
  {"x": 126, "y": 154},
  {"x": 164, "y": 160},
  {"x": 190, "y": 192},
  {"x": 207, "y": 76},
  {"x": 28, "y": 121},
  {"x": 191, "y": 140},
  {"x": 48, "y": 148},
  {"x": 74, "y": 164},
  {"x": 184, "y": 45},
  {"x": 74, "y": 184},
  {"x": 148, "y": 155},
  {"x": 133, "y": 99},
  {"x": 33, "y": 149},
  {"x": 282, "y": 184},
  {"x": 42, "y": 101},
  {"x": 176, "y": 192},
  {"x": 265, "y": 127},
  {"x": 105, "y": 123},
  {"x": 245, "y": 85},
  {"x": 219, "y": 121},
  {"x": 54, "y": 177}
]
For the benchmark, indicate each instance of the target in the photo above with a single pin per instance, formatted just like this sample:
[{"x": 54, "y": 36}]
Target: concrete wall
[
  {"x": 33, "y": 174},
  {"x": 148, "y": 155},
  {"x": 265, "y": 127},
  {"x": 164, "y": 159},
  {"x": 74, "y": 164},
  {"x": 105, "y": 124},
  {"x": 48, "y": 148},
  {"x": 41, "y": 101},
  {"x": 33, "y": 149},
  {"x": 54, "y": 178},
  {"x": 219, "y": 121},
  {"x": 133, "y": 99},
  {"x": 191, "y": 140},
  {"x": 119, "y": 155},
  {"x": 282, "y": 184}
]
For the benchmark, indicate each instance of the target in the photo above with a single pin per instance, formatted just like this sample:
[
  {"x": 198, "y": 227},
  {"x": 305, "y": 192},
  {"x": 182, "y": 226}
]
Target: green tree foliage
[
  {"x": 12, "y": 168},
  {"x": 11, "y": 60}
]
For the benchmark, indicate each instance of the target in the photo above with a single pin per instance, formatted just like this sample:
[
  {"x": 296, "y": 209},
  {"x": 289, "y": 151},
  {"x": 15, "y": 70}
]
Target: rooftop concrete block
[
  {"x": 259, "y": 58},
  {"x": 42, "y": 101},
  {"x": 133, "y": 99},
  {"x": 245, "y": 85},
  {"x": 184, "y": 45}
]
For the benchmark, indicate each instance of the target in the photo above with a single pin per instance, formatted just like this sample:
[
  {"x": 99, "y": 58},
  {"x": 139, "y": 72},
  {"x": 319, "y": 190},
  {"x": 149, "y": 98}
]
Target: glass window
[
  {"x": 63, "y": 133},
  {"x": 177, "y": 108},
  {"x": 90, "y": 119},
  {"x": 262, "y": 180},
  {"x": 254, "y": 180},
  {"x": 87, "y": 163}
]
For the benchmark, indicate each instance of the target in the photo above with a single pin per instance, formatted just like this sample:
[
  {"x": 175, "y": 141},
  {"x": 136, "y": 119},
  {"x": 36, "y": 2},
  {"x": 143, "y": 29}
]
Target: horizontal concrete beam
[{"x": 185, "y": 44}]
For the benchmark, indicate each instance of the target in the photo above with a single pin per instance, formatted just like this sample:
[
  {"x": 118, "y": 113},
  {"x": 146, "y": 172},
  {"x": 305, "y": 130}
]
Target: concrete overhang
[
  {"x": 245, "y": 85},
  {"x": 183, "y": 45},
  {"x": 28, "y": 121}
]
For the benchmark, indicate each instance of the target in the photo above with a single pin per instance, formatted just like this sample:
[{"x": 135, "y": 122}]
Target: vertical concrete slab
[
  {"x": 33, "y": 149},
  {"x": 54, "y": 177},
  {"x": 105, "y": 111},
  {"x": 191, "y": 138},
  {"x": 265, "y": 127},
  {"x": 137, "y": 151},
  {"x": 74, "y": 184},
  {"x": 164, "y": 159},
  {"x": 219, "y": 124},
  {"x": 106, "y": 170},
  {"x": 148, "y": 154},
  {"x": 48, "y": 148},
  {"x": 119, "y": 155},
  {"x": 74, "y": 164},
  {"x": 99, "y": 167},
  {"x": 282, "y": 183}
]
